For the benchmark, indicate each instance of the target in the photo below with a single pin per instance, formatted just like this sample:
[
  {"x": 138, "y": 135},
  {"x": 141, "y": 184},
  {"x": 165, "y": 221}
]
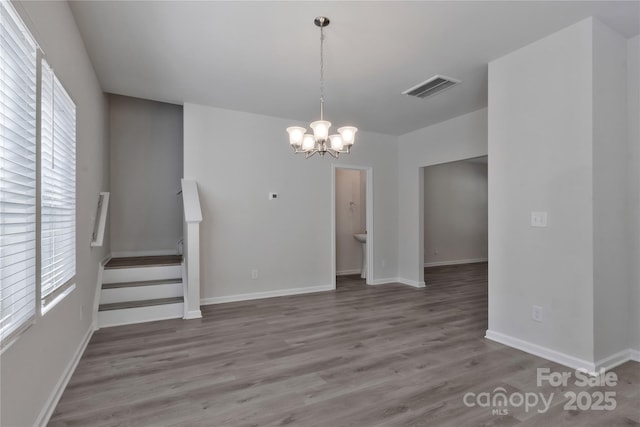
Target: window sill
[
  {"x": 46, "y": 308},
  {"x": 15, "y": 335}
]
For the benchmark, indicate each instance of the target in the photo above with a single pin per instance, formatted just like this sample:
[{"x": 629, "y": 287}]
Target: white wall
[
  {"x": 146, "y": 165},
  {"x": 633, "y": 105},
  {"x": 350, "y": 219},
  {"x": 33, "y": 366},
  {"x": 556, "y": 141},
  {"x": 237, "y": 159},
  {"x": 460, "y": 138},
  {"x": 455, "y": 212},
  {"x": 610, "y": 193},
  {"x": 540, "y": 146}
]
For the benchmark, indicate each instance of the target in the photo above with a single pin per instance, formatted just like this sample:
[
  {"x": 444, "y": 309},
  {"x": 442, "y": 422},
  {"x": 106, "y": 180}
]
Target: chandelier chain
[{"x": 322, "y": 73}]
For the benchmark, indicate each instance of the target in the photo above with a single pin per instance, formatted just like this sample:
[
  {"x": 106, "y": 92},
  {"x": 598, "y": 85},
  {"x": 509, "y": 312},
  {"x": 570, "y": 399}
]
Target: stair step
[
  {"x": 143, "y": 261},
  {"x": 141, "y": 273},
  {"x": 141, "y": 283},
  {"x": 141, "y": 291},
  {"x": 137, "y": 304},
  {"x": 138, "y": 314}
]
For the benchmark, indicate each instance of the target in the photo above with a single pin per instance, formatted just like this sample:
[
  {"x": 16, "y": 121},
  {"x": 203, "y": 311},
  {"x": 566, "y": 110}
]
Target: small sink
[{"x": 362, "y": 238}]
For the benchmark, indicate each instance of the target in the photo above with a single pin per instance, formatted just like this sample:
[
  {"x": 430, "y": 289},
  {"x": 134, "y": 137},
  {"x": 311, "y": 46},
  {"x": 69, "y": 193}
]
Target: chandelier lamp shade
[{"x": 321, "y": 141}]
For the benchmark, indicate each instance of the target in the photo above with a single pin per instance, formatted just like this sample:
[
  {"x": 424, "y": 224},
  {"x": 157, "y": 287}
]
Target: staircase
[{"x": 141, "y": 289}]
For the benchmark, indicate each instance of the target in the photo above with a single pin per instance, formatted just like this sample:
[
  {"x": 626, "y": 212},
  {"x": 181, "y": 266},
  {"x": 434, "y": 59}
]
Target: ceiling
[{"x": 263, "y": 57}]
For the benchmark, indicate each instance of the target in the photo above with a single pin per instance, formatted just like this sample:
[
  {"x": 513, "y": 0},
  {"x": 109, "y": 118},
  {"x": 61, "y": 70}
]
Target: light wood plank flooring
[{"x": 388, "y": 355}]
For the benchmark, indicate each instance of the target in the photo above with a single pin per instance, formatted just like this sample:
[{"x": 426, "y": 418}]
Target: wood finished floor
[
  {"x": 388, "y": 355},
  {"x": 144, "y": 261}
]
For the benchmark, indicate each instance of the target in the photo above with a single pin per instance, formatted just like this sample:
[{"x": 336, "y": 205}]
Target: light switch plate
[
  {"x": 273, "y": 196},
  {"x": 538, "y": 219},
  {"x": 537, "y": 313}
]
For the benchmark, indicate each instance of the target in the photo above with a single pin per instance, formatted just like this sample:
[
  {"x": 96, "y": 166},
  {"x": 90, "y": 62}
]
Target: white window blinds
[
  {"x": 17, "y": 173},
  {"x": 58, "y": 200}
]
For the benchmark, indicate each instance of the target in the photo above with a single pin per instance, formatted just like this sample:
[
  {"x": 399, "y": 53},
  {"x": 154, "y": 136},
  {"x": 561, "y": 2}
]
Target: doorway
[
  {"x": 455, "y": 214},
  {"x": 352, "y": 218}
]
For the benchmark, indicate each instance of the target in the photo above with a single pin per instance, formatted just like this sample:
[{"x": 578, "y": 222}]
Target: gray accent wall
[{"x": 146, "y": 168}]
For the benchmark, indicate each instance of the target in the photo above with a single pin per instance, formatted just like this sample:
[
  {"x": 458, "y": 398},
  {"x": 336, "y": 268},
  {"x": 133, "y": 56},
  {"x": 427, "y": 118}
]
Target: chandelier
[{"x": 321, "y": 142}]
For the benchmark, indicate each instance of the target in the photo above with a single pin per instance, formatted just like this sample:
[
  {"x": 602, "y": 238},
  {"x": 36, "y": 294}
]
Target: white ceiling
[{"x": 263, "y": 57}]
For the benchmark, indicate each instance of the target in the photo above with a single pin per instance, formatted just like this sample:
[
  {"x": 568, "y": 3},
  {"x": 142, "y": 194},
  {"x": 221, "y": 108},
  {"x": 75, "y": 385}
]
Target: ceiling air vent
[{"x": 435, "y": 84}]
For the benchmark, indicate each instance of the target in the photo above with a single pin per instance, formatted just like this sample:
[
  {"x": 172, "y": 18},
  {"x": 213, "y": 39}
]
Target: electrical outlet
[
  {"x": 254, "y": 274},
  {"x": 538, "y": 219},
  {"x": 537, "y": 313},
  {"x": 436, "y": 251}
]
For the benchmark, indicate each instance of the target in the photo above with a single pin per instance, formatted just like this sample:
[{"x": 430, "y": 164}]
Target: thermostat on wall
[
  {"x": 273, "y": 196},
  {"x": 538, "y": 219}
]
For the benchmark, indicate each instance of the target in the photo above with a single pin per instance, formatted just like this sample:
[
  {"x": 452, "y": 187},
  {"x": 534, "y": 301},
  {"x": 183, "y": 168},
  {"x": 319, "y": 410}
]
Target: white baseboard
[
  {"x": 267, "y": 294},
  {"x": 540, "y": 351},
  {"x": 397, "y": 280},
  {"x": 348, "y": 272},
  {"x": 383, "y": 281},
  {"x": 614, "y": 360},
  {"x": 56, "y": 394},
  {"x": 455, "y": 262},
  {"x": 123, "y": 254},
  {"x": 193, "y": 314},
  {"x": 592, "y": 368},
  {"x": 411, "y": 282},
  {"x": 98, "y": 290}
]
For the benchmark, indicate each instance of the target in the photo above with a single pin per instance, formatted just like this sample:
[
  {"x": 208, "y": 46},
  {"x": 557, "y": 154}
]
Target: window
[
  {"x": 17, "y": 174},
  {"x": 37, "y": 195},
  {"x": 58, "y": 190}
]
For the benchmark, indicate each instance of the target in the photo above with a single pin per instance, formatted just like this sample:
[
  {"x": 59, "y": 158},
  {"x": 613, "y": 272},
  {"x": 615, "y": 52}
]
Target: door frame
[{"x": 368, "y": 219}]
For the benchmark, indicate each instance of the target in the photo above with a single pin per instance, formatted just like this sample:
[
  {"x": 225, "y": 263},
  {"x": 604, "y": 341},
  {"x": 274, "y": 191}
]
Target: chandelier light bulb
[
  {"x": 321, "y": 129},
  {"x": 336, "y": 142},
  {"x": 348, "y": 134},
  {"x": 308, "y": 142},
  {"x": 296, "y": 134}
]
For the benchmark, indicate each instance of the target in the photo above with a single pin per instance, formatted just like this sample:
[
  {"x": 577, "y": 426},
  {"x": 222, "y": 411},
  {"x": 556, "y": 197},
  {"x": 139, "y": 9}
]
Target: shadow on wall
[
  {"x": 350, "y": 219},
  {"x": 455, "y": 212}
]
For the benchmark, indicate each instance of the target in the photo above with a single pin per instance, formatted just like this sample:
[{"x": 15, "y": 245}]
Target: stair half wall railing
[{"x": 192, "y": 220}]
